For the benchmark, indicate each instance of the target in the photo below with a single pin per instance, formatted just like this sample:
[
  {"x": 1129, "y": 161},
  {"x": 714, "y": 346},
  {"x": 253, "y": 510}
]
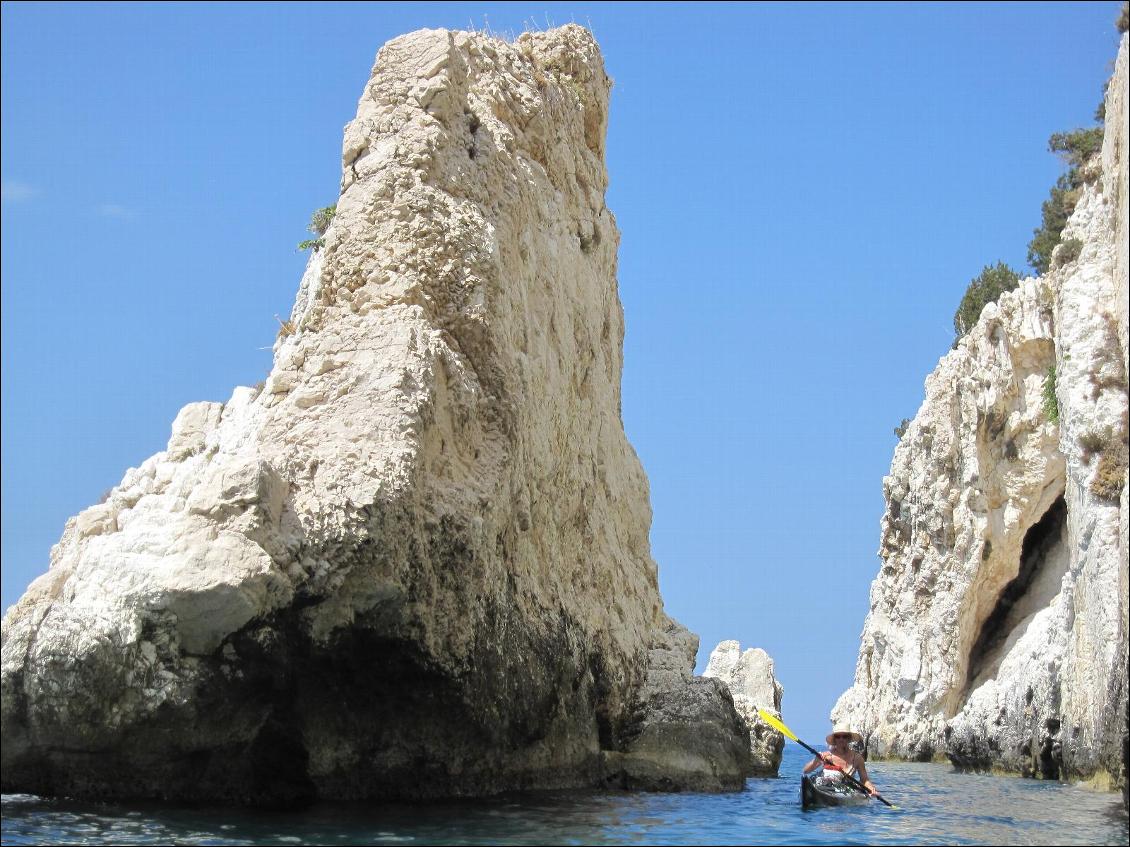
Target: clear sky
[{"x": 803, "y": 191}]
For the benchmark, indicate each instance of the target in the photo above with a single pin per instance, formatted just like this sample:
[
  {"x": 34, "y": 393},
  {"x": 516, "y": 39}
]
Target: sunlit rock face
[
  {"x": 749, "y": 677},
  {"x": 414, "y": 563},
  {"x": 997, "y": 634}
]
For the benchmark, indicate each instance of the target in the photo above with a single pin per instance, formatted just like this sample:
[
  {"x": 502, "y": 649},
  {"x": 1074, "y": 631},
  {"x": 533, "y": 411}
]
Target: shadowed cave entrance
[{"x": 1043, "y": 562}]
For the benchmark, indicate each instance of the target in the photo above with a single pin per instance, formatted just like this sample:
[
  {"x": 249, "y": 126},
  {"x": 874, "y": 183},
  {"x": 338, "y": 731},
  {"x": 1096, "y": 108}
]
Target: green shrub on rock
[
  {"x": 319, "y": 222},
  {"x": 1055, "y": 212},
  {"x": 1076, "y": 148},
  {"x": 1069, "y": 250},
  {"x": 1051, "y": 402},
  {"x": 1110, "y": 475},
  {"x": 984, "y": 289}
]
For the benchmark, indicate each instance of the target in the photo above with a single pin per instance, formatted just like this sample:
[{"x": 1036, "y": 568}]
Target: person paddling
[{"x": 842, "y": 759}]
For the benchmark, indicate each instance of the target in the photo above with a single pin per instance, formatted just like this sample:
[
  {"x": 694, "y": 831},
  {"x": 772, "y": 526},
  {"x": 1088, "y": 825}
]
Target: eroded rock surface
[
  {"x": 416, "y": 563},
  {"x": 997, "y": 634},
  {"x": 684, "y": 732},
  {"x": 750, "y": 679}
]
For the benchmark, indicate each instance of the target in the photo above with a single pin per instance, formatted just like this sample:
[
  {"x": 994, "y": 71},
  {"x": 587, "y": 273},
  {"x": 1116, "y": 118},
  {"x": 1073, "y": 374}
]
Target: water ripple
[{"x": 936, "y": 806}]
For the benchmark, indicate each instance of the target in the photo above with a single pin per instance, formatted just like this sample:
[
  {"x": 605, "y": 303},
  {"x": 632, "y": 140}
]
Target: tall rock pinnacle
[{"x": 416, "y": 562}]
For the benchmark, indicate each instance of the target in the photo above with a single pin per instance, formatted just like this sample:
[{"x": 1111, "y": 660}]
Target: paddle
[{"x": 788, "y": 733}]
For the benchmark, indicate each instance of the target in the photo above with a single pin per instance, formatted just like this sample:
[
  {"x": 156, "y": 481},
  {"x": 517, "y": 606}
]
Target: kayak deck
[{"x": 814, "y": 794}]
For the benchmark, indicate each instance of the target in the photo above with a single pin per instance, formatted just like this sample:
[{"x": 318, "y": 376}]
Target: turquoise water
[{"x": 937, "y": 806}]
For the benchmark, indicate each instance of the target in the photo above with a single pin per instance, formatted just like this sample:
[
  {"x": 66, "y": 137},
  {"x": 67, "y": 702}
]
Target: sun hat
[{"x": 844, "y": 729}]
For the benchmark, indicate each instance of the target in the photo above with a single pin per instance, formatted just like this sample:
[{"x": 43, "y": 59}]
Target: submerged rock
[
  {"x": 750, "y": 679},
  {"x": 998, "y": 632},
  {"x": 416, "y": 562}
]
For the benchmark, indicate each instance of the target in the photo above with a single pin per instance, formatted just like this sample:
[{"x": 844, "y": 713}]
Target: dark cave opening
[{"x": 1038, "y": 543}]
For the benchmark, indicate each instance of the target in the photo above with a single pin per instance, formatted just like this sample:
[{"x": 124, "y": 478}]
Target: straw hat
[{"x": 844, "y": 729}]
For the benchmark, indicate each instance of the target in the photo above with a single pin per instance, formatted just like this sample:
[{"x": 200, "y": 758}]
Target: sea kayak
[{"x": 814, "y": 794}]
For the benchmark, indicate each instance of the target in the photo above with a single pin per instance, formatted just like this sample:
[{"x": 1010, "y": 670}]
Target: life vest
[{"x": 835, "y": 772}]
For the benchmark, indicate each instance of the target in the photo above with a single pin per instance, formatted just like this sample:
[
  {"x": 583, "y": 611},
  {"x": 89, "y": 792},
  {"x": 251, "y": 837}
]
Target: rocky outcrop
[
  {"x": 750, "y": 679},
  {"x": 684, "y": 733},
  {"x": 997, "y": 634},
  {"x": 416, "y": 562}
]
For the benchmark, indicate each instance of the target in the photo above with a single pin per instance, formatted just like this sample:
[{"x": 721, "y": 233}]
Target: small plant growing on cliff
[
  {"x": 900, "y": 430},
  {"x": 1054, "y": 214},
  {"x": 1076, "y": 148},
  {"x": 285, "y": 327},
  {"x": 1068, "y": 252},
  {"x": 1110, "y": 475},
  {"x": 319, "y": 222},
  {"x": 1092, "y": 444},
  {"x": 985, "y": 288},
  {"x": 1051, "y": 402},
  {"x": 1123, "y": 22}
]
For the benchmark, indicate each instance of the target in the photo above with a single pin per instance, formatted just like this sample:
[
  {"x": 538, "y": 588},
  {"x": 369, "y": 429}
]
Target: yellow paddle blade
[{"x": 776, "y": 724}]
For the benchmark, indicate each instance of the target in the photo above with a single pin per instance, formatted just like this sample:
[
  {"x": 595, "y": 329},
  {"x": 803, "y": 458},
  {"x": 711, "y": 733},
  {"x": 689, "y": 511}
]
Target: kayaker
[{"x": 841, "y": 759}]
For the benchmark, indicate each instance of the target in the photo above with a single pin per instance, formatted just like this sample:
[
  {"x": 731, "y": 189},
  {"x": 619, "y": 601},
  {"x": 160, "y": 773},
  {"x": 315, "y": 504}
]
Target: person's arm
[
  {"x": 814, "y": 764},
  {"x": 861, "y": 766}
]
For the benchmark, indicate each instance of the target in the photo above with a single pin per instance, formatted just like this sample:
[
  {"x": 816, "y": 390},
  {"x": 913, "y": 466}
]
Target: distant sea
[{"x": 936, "y": 806}]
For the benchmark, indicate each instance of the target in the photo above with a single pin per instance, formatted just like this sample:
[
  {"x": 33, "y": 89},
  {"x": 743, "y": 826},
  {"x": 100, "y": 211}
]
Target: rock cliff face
[
  {"x": 998, "y": 626},
  {"x": 749, "y": 677},
  {"x": 416, "y": 562}
]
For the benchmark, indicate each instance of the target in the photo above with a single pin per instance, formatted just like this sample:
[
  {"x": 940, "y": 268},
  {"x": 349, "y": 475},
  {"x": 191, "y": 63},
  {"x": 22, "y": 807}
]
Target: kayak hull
[{"x": 813, "y": 795}]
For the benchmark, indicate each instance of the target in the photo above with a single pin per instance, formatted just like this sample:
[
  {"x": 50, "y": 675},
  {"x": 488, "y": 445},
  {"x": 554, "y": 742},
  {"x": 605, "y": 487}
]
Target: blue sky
[{"x": 803, "y": 190}]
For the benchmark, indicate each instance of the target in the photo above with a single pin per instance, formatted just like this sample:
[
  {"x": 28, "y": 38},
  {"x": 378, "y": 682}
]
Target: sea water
[{"x": 935, "y": 806}]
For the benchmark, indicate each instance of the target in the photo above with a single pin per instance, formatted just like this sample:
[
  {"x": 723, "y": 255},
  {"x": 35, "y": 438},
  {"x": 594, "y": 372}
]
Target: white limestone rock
[
  {"x": 416, "y": 563},
  {"x": 192, "y": 426},
  {"x": 997, "y": 633},
  {"x": 750, "y": 679}
]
